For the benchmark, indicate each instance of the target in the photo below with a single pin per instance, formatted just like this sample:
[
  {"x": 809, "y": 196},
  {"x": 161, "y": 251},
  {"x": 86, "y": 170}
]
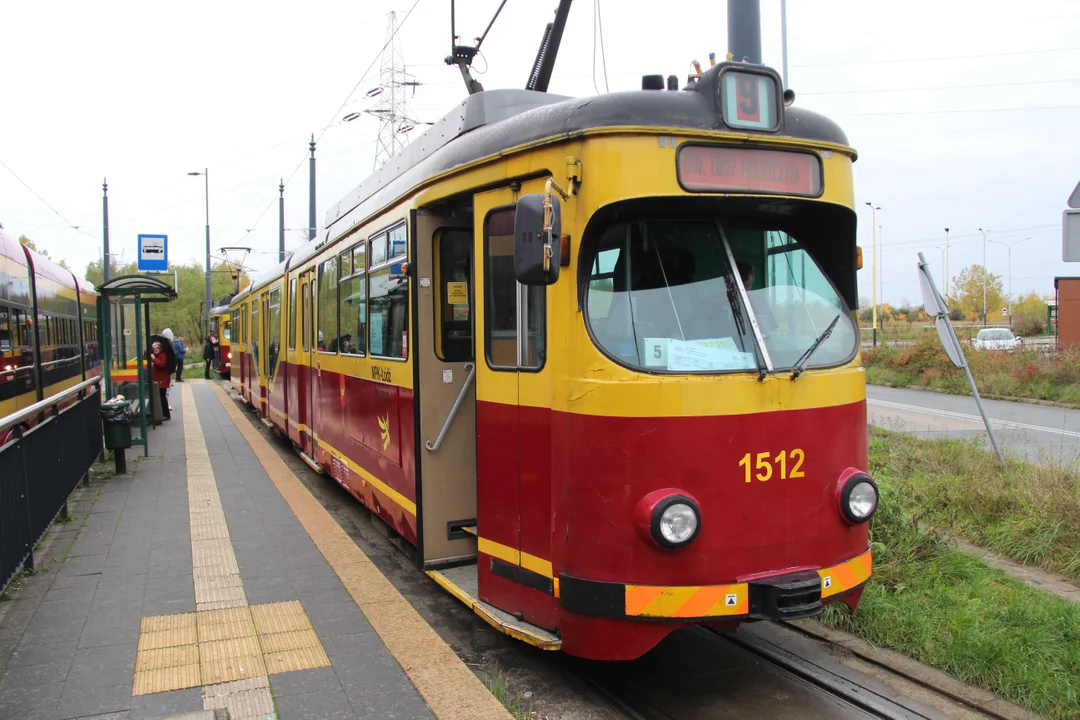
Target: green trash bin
[{"x": 116, "y": 424}]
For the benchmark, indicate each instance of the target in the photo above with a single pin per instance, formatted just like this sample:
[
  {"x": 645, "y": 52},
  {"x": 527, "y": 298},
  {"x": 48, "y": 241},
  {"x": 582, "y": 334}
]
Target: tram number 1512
[{"x": 778, "y": 465}]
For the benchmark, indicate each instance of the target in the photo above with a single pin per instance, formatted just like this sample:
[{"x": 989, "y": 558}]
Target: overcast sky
[{"x": 965, "y": 113}]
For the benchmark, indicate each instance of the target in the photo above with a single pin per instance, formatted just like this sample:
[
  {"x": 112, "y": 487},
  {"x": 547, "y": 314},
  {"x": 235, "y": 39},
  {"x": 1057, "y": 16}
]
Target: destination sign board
[{"x": 710, "y": 168}]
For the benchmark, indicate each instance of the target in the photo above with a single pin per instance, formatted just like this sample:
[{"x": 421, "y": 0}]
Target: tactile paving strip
[{"x": 226, "y": 645}]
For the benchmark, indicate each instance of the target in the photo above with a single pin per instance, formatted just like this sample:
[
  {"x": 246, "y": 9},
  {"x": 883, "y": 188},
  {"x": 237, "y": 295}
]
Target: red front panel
[{"x": 498, "y": 499}]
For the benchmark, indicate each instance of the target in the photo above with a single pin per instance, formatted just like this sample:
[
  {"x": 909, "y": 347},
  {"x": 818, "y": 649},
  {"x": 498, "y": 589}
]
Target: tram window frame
[
  {"x": 531, "y": 293},
  {"x": 443, "y": 264},
  {"x": 273, "y": 327},
  {"x": 5, "y": 330},
  {"x": 294, "y": 310},
  {"x": 330, "y": 262},
  {"x": 387, "y": 239},
  {"x": 305, "y": 312},
  {"x": 253, "y": 344},
  {"x": 350, "y": 257}
]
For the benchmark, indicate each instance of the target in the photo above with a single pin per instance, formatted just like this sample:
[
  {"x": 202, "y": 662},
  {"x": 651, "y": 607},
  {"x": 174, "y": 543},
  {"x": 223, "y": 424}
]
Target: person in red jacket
[{"x": 162, "y": 376}]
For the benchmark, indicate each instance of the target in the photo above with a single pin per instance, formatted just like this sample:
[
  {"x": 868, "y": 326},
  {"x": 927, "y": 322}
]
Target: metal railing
[{"x": 40, "y": 465}]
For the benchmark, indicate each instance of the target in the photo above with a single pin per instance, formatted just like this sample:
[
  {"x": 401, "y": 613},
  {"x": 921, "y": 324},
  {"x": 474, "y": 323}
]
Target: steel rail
[{"x": 48, "y": 403}]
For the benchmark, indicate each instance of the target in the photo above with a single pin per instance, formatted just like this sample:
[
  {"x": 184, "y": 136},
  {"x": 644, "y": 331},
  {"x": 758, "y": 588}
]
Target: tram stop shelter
[{"x": 136, "y": 292}]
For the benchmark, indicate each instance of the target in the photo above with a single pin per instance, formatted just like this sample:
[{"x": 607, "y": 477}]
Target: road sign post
[
  {"x": 937, "y": 309},
  {"x": 153, "y": 253}
]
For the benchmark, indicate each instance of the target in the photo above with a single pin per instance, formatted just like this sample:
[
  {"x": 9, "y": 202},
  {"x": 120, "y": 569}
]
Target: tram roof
[{"x": 488, "y": 122}]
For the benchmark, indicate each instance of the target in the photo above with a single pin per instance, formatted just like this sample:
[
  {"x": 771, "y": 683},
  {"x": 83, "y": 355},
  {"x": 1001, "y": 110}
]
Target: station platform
[{"x": 209, "y": 578}]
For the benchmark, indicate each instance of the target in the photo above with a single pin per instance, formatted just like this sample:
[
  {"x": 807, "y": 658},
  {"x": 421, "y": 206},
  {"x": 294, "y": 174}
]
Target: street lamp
[
  {"x": 984, "y": 274},
  {"x": 873, "y": 265},
  {"x": 209, "y": 298},
  {"x": 1008, "y": 247}
]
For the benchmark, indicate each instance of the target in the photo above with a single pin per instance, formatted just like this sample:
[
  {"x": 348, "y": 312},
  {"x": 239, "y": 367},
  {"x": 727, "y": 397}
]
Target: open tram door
[{"x": 493, "y": 463}]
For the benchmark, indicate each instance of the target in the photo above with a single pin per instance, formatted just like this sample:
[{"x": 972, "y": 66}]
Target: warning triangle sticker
[{"x": 731, "y": 600}]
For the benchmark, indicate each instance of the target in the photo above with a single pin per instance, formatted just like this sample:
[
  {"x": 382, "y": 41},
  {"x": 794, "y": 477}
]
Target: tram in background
[
  {"x": 221, "y": 323},
  {"x": 595, "y": 359},
  {"x": 48, "y": 328}
]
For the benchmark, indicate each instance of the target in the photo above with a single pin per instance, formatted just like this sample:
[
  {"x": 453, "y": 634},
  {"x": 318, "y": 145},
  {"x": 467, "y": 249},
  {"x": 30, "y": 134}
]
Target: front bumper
[{"x": 778, "y": 597}]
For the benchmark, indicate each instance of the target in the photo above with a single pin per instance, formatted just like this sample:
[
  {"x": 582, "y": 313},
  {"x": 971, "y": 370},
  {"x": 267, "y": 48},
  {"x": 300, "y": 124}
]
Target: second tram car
[
  {"x": 595, "y": 359},
  {"x": 221, "y": 324},
  {"x": 48, "y": 327}
]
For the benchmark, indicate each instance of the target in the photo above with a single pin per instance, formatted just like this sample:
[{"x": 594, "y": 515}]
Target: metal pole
[
  {"x": 311, "y": 193},
  {"x": 984, "y": 275},
  {"x": 141, "y": 375},
  {"x": 783, "y": 42},
  {"x": 105, "y": 224},
  {"x": 744, "y": 30},
  {"x": 281, "y": 225},
  {"x": 946, "y": 262},
  {"x": 873, "y": 266},
  {"x": 209, "y": 291}
]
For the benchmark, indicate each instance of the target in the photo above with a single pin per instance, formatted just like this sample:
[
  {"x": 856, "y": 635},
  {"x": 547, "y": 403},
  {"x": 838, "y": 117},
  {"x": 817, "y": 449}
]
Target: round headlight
[
  {"x": 676, "y": 521},
  {"x": 859, "y": 499}
]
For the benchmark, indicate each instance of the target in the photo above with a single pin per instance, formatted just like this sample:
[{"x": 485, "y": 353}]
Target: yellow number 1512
[{"x": 762, "y": 467}]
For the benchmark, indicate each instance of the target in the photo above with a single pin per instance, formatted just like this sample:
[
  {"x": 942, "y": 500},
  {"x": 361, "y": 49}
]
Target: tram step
[
  {"x": 311, "y": 462},
  {"x": 267, "y": 423},
  {"x": 462, "y": 582},
  {"x": 471, "y": 529}
]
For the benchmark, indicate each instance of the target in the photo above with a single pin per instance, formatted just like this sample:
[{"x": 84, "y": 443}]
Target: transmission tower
[{"x": 394, "y": 81}]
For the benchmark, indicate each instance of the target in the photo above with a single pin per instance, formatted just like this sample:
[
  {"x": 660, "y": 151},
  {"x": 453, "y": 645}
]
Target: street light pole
[
  {"x": 984, "y": 274},
  {"x": 873, "y": 265},
  {"x": 1008, "y": 248},
  {"x": 209, "y": 293}
]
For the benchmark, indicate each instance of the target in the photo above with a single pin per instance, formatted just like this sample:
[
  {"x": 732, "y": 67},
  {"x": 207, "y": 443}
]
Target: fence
[{"x": 41, "y": 465}]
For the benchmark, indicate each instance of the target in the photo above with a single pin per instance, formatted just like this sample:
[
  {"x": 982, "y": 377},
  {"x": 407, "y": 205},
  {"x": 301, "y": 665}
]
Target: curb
[{"x": 902, "y": 665}]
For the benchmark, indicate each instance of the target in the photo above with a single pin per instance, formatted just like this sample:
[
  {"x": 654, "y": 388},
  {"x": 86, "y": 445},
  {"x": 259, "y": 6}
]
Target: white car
[{"x": 997, "y": 339}]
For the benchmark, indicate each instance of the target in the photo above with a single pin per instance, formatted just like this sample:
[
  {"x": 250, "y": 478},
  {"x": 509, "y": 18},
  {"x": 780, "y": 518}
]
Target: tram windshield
[{"x": 663, "y": 297}]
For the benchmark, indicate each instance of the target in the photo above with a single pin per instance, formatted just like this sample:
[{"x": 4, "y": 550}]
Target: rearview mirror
[{"x": 535, "y": 264}]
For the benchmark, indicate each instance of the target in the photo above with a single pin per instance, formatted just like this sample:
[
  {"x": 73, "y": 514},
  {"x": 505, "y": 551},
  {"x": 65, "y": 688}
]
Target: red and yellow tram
[
  {"x": 48, "y": 328},
  {"x": 594, "y": 358},
  {"x": 221, "y": 324}
]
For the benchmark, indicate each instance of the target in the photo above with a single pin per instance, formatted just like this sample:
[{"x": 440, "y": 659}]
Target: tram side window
[
  {"x": 327, "y": 297},
  {"x": 352, "y": 309},
  {"x": 388, "y": 299},
  {"x": 273, "y": 319},
  {"x": 453, "y": 313},
  {"x": 294, "y": 311},
  {"x": 505, "y": 301},
  {"x": 305, "y": 313}
]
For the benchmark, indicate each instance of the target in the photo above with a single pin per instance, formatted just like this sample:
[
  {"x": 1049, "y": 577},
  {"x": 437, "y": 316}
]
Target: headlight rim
[
  {"x": 848, "y": 484},
  {"x": 657, "y": 513}
]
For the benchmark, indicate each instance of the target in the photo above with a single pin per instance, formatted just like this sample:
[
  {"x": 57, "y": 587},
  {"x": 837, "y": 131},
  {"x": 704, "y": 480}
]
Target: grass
[
  {"x": 499, "y": 685},
  {"x": 1053, "y": 376},
  {"x": 948, "y": 609}
]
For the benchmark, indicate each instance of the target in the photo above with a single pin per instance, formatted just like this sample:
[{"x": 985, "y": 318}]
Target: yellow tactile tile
[
  {"x": 225, "y": 660},
  {"x": 166, "y": 679},
  {"x": 291, "y": 640},
  {"x": 167, "y": 657},
  {"x": 167, "y": 623},
  {"x": 225, "y": 624},
  {"x": 280, "y": 617}
]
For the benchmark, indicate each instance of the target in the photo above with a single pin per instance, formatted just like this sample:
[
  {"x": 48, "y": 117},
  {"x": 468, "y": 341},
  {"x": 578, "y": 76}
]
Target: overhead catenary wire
[
  {"x": 330, "y": 122},
  {"x": 45, "y": 202},
  {"x": 598, "y": 26}
]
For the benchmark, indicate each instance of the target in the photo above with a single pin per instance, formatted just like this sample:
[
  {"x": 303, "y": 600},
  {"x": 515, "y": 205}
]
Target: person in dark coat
[
  {"x": 181, "y": 352},
  {"x": 207, "y": 356}
]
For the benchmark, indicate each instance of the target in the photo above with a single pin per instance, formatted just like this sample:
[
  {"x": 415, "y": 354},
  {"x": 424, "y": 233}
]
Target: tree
[
  {"x": 1029, "y": 314},
  {"x": 185, "y": 315},
  {"x": 42, "y": 251},
  {"x": 967, "y": 292}
]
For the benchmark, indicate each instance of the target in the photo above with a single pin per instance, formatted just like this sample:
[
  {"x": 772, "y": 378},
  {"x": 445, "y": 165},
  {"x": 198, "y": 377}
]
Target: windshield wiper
[{"x": 805, "y": 358}]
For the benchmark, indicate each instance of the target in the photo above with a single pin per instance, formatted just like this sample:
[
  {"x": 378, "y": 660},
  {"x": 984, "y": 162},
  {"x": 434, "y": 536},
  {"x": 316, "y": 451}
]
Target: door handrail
[{"x": 433, "y": 446}]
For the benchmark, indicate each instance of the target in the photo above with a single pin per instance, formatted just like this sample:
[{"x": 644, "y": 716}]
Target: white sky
[{"x": 143, "y": 93}]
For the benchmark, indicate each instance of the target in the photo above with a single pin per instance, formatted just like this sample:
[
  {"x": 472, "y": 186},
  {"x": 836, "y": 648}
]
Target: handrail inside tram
[
  {"x": 28, "y": 412},
  {"x": 433, "y": 446}
]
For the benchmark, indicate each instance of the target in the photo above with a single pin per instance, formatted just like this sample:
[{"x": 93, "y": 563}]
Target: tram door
[
  {"x": 513, "y": 437},
  {"x": 444, "y": 352},
  {"x": 306, "y": 346}
]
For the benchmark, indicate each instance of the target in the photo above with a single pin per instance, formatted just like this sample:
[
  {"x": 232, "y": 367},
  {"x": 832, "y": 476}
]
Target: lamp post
[
  {"x": 1008, "y": 247},
  {"x": 873, "y": 265},
  {"x": 984, "y": 274},
  {"x": 209, "y": 296}
]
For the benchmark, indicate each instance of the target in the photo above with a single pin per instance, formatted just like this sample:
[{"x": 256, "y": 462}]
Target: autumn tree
[
  {"x": 967, "y": 292},
  {"x": 1029, "y": 314}
]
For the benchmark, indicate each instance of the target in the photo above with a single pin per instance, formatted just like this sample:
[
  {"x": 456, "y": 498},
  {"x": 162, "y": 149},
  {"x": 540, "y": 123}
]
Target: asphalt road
[{"x": 1037, "y": 433}]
